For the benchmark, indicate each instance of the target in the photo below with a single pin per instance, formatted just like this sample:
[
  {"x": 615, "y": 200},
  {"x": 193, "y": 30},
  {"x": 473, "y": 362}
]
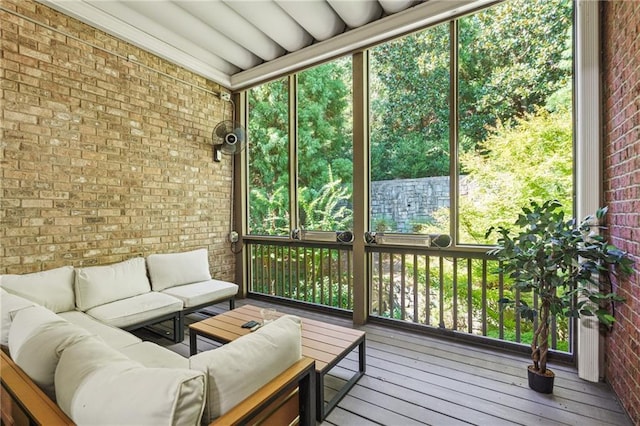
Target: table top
[{"x": 326, "y": 343}]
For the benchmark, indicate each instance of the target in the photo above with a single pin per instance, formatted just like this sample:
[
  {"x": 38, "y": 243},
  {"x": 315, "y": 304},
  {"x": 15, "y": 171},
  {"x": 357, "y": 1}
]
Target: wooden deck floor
[{"x": 412, "y": 379}]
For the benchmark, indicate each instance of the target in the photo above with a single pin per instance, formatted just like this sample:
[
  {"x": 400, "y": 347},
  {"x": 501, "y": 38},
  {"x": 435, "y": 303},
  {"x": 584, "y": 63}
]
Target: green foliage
[
  {"x": 560, "y": 261},
  {"x": 273, "y": 212},
  {"x": 324, "y": 125},
  {"x": 383, "y": 224},
  {"x": 531, "y": 160},
  {"x": 328, "y": 208},
  {"x": 268, "y": 129},
  {"x": 512, "y": 59},
  {"x": 324, "y": 147},
  {"x": 410, "y": 106}
]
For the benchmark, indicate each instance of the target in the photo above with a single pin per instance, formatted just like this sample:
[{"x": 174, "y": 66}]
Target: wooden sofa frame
[{"x": 287, "y": 399}]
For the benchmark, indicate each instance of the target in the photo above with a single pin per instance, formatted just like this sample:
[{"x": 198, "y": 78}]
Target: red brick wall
[
  {"x": 103, "y": 159},
  {"x": 621, "y": 109}
]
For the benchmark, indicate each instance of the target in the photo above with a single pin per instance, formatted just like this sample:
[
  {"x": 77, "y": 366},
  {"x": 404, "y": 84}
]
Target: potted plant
[{"x": 562, "y": 263}]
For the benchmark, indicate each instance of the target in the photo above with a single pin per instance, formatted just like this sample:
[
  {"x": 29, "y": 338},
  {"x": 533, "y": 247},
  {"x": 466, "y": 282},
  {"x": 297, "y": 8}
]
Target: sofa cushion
[
  {"x": 135, "y": 310},
  {"x": 112, "y": 336},
  {"x": 172, "y": 269},
  {"x": 203, "y": 292},
  {"x": 36, "y": 340},
  {"x": 97, "y": 385},
  {"x": 99, "y": 285},
  {"x": 238, "y": 369},
  {"x": 150, "y": 354},
  {"x": 9, "y": 305},
  {"x": 52, "y": 289}
]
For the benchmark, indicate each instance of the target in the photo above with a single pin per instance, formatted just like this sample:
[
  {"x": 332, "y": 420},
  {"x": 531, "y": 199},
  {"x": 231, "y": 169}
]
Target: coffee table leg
[
  {"x": 362, "y": 358},
  {"x": 324, "y": 410},
  {"x": 320, "y": 396},
  {"x": 193, "y": 342}
]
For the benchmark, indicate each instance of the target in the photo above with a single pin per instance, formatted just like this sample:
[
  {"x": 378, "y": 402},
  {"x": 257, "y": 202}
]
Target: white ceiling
[{"x": 237, "y": 43}]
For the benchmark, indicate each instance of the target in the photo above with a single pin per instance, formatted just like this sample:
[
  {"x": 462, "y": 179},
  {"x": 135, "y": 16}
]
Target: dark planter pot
[{"x": 542, "y": 383}]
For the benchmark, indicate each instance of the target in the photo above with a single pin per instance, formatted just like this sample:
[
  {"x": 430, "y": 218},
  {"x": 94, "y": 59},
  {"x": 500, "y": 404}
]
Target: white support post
[{"x": 588, "y": 157}]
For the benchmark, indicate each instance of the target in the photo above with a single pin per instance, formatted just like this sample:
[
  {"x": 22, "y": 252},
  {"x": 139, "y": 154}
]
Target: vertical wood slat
[
  {"x": 262, "y": 269},
  {"x": 484, "y": 297},
  {"x": 455, "y": 294},
  {"x": 270, "y": 281},
  {"x": 313, "y": 275},
  {"x": 416, "y": 286},
  {"x": 441, "y": 291},
  {"x": 380, "y": 287},
  {"x": 391, "y": 281},
  {"x": 279, "y": 283},
  {"x": 330, "y": 275},
  {"x": 518, "y": 325},
  {"x": 339, "y": 254},
  {"x": 288, "y": 267},
  {"x": 350, "y": 281},
  {"x": 319, "y": 281},
  {"x": 253, "y": 269},
  {"x": 403, "y": 286},
  {"x": 427, "y": 274},
  {"x": 469, "y": 295},
  {"x": 501, "y": 314},
  {"x": 306, "y": 274}
]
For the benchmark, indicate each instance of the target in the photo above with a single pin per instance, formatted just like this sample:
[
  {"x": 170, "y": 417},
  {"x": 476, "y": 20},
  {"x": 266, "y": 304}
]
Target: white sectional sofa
[
  {"x": 122, "y": 295},
  {"x": 99, "y": 374},
  {"x": 186, "y": 276}
]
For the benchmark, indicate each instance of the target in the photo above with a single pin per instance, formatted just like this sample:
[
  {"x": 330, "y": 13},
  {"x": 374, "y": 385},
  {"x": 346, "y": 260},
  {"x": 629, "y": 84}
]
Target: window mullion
[
  {"x": 453, "y": 132},
  {"x": 294, "y": 221}
]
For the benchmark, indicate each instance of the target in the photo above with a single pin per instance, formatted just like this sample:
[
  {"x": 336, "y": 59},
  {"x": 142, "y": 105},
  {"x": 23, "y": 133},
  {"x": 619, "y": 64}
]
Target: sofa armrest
[
  {"x": 273, "y": 402},
  {"x": 22, "y": 398},
  {"x": 267, "y": 402}
]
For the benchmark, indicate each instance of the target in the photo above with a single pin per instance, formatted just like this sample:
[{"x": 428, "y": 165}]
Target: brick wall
[
  {"x": 621, "y": 81},
  {"x": 103, "y": 159}
]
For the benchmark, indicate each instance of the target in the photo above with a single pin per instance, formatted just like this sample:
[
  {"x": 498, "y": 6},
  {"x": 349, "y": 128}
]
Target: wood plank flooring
[{"x": 412, "y": 379}]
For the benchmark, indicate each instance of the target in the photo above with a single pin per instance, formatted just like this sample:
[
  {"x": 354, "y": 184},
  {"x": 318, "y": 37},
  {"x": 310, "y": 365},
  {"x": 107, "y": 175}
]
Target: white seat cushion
[
  {"x": 99, "y": 285},
  {"x": 238, "y": 369},
  {"x": 52, "y": 289},
  {"x": 203, "y": 292},
  {"x": 112, "y": 336},
  {"x": 36, "y": 340},
  {"x": 97, "y": 385},
  {"x": 173, "y": 269},
  {"x": 151, "y": 355},
  {"x": 9, "y": 305},
  {"x": 135, "y": 310}
]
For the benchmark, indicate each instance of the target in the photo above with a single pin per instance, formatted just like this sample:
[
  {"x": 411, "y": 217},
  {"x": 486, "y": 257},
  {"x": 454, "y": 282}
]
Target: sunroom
[{"x": 373, "y": 144}]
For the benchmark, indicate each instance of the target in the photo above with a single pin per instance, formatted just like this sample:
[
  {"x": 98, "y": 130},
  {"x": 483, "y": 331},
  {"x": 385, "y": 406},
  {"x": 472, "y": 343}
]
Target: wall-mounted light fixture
[{"x": 415, "y": 240}]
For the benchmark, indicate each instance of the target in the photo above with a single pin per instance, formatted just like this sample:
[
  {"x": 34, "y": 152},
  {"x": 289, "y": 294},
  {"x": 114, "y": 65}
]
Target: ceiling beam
[{"x": 401, "y": 23}]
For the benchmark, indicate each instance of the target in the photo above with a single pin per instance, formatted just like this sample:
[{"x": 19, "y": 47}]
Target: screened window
[
  {"x": 325, "y": 148},
  {"x": 515, "y": 119},
  {"x": 323, "y": 155},
  {"x": 468, "y": 121},
  {"x": 268, "y": 173},
  {"x": 409, "y": 133}
]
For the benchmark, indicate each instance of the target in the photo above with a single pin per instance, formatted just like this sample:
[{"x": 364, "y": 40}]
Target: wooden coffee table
[{"x": 328, "y": 344}]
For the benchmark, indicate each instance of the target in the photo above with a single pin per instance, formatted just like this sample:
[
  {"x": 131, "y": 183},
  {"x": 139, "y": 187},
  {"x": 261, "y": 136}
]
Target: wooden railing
[
  {"x": 443, "y": 290},
  {"x": 451, "y": 290},
  {"x": 315, "y": 274}
]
